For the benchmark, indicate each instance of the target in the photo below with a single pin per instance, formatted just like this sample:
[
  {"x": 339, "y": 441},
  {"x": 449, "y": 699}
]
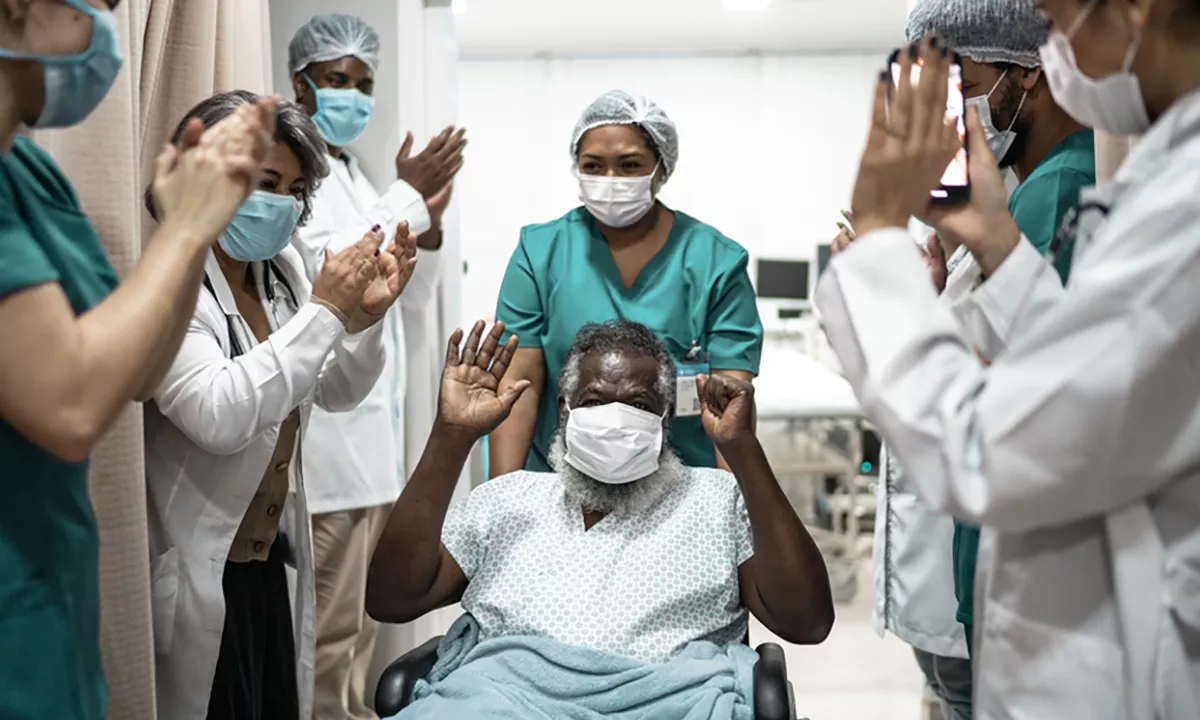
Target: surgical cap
[
  {"x": 333, "y": 36},
  {"x": 621, "y": 108},
  {"x": 986, "y": 31}
]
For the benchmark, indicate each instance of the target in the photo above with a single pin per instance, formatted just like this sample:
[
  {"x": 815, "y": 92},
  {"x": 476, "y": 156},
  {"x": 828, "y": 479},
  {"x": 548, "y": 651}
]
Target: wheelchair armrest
[
  {"x": 772, "y": 692},
  {"x": 395, "y": 688}
]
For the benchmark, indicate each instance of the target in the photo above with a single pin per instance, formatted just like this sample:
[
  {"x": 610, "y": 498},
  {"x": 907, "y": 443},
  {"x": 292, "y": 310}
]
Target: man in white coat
[{"x": 354, "y": 462}]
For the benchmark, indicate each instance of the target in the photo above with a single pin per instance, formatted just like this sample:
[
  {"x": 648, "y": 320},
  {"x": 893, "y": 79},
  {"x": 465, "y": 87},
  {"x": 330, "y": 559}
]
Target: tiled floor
[{"x": 854, "y": 674}]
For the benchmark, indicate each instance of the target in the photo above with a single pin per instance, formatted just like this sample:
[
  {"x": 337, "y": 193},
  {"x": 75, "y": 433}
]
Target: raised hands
[
  {"x": 200, "y": 183},
  {"x": 984, "y": 223},
  {"x": 396, "y": 265},
  {"x": 432, "y": 170},
  {"x": 910, "y": 143},
  {"x": 469, "y": 403},
  {"x": 346, "y": 275},
  {"x": 726, "y": 408}
]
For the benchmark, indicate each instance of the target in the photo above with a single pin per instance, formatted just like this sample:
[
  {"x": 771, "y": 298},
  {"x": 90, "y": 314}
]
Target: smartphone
[{"x": 956, "y": 181}]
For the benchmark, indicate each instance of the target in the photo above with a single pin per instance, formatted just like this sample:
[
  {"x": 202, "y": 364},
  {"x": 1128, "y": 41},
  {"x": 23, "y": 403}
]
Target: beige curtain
[
  {"x": 1111, "y": 151},
  {"x": 177, "y": 52}
]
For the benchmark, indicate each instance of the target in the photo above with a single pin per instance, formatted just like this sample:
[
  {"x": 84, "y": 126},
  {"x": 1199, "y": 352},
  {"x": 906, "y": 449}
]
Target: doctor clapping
[
  {"x": 355, "y": 462},
  {"x": 1077, "y": 447},
  {"x": 227, "y": 503}
]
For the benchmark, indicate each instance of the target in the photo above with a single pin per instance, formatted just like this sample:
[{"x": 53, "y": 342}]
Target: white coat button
[
  {"x": 258, "y": 546},
  {"x": 280, "y": 467}
]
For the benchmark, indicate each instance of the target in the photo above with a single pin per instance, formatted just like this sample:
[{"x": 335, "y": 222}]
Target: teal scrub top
[
  {"x": 49, "y": 545},
  {"x": 562, "y": 276},
  {"x": 1038, "y": 205}
]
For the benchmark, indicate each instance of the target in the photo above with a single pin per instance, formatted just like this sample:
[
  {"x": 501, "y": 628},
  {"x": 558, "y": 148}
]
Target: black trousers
[{"x": 256, "y": 670}]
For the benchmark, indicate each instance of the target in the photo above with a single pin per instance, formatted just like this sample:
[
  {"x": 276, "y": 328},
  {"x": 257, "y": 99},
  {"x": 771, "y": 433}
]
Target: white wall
[{"x": 769, "y": 147}]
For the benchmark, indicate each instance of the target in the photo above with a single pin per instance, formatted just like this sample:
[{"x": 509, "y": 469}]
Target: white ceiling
[{"x": 639, "y": 27}]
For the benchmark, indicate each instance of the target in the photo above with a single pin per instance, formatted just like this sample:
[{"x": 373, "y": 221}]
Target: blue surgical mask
[
  {"x": 261, "y": 228},
  {"x": 75, "y": 85},
  {"x": 342, "y": 114}
]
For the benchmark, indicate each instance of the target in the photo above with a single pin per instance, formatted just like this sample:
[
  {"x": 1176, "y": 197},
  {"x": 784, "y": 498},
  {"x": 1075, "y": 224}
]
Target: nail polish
[
  {"x": 375, "y": 229},
  {"x": 914, "y": 51},
  {"x": 376, "y": 252},
  {"x": 933, "y": 41}
]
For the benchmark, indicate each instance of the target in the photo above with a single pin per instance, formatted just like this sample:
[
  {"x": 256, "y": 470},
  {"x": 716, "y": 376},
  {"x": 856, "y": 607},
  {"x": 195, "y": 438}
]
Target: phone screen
[{"x": 956, "y": 177}]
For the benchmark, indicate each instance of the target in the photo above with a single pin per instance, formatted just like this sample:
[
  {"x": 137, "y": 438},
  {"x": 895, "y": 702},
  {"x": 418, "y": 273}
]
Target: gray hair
[
  {"x": 619, "y": 336},
  {"x": 293, "y": 127},
  {"x": 992, "y": 32}
]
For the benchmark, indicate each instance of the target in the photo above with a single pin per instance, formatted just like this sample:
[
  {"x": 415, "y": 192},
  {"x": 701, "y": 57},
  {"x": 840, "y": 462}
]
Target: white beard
[{"x": 630, "y": 498}]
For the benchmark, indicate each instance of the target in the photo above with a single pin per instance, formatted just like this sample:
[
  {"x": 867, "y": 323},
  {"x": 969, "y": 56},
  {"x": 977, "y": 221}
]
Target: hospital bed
[
  {"x": 773, "y": 696},
  {"x": 804, "y": 407}
]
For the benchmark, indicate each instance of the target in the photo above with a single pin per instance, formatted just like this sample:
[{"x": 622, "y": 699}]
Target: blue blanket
[{"x": 527, "y": 678}]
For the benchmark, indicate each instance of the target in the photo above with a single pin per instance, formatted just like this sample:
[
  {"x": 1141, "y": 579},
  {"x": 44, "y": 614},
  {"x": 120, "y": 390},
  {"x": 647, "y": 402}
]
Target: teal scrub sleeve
[
  {"x": 1040, "y": 204},
  {"x": 519, "y": 306},
  {"x": 23, "y": 263},
  {"x": 734, "y": 330}
]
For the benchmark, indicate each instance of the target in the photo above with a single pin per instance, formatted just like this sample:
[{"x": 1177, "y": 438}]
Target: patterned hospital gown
[{"x": 643, "y": 585}]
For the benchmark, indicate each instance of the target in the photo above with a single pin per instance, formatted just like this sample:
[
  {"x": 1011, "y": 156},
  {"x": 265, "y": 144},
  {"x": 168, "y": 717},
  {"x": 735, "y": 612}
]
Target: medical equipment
[{"x": 803, "y": 407}]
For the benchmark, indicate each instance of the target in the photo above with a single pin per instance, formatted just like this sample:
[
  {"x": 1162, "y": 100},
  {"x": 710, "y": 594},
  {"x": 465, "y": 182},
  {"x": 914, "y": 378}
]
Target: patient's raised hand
[
  {"x": 726, "y": 409},
  {"x": 469, "y": 403}
]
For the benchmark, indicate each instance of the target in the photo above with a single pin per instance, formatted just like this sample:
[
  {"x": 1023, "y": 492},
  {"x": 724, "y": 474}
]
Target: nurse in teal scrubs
[
  {"x": 79, "y": 345},
  {"x": 622, "y": 255}
]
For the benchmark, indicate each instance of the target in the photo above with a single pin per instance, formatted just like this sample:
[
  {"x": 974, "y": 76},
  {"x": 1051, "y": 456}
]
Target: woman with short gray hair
[{"x": 227, "y": 504}]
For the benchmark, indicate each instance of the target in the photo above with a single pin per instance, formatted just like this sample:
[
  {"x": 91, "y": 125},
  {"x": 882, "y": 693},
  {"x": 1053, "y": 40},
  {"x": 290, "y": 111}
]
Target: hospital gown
[{"x": 642, "y": 585}]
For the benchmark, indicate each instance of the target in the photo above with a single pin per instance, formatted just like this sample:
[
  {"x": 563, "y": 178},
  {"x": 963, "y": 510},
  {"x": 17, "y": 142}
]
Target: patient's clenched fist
[{"x": 726, "y": 408}]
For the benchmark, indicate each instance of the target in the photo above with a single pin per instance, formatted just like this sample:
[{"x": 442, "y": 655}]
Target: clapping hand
[
  {"x": 910, "y": 143},
  {"x": 396, "y": 265},
  {"x": 345, "y": 276},
  {"x": 201, "y": 182},
  {"x": 431, "y": 171},
  {"x": 470, "y": 403},
  {"x": 726, "y": 408},
  {"x": 846, "y": 234}
]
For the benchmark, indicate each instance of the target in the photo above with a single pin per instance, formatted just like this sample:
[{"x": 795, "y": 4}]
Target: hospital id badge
[{"x": 687, "y": 399}]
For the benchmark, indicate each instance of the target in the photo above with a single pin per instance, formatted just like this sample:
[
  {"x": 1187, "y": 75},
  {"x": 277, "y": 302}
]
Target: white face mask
[
  {"x": 614, "y": 443},
  {"x": 1113, "y": 104},
  {"x": 617, "y": 202},
  {"x": 1000, "y": 141}
]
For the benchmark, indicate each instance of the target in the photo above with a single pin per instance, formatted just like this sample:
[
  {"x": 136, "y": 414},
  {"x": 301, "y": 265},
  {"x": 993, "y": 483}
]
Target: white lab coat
[
  {"x": 913, "y": 559},
  {"x": 1078, "y": 449},
  {"x": 210, "y": 434},
  {"x": 357, "y": 459}
]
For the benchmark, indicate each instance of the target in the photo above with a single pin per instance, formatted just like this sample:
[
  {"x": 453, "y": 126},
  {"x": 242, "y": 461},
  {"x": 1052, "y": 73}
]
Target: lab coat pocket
[
  {"x": 1028, "y": 670},
  {"x": 164, "y": 595}
]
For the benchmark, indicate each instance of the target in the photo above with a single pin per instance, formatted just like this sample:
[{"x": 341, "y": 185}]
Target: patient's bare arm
[
  {"x": 785, "y": 584},
  {"x": 411, "y": 571}
]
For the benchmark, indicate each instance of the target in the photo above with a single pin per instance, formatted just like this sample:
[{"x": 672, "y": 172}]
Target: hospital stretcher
[{"x": 811, "y": 426}]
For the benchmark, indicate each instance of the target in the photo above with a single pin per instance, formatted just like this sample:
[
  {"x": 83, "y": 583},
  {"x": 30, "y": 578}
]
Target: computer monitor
[{"x": 783, "y": 279}]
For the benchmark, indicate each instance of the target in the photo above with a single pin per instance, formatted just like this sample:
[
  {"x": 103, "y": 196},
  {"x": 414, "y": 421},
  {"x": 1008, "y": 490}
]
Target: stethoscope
[{"x": 271, "y": 275}]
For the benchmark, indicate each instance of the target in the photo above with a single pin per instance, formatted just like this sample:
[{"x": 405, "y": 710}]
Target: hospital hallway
[{"x": 854, "y": 674}]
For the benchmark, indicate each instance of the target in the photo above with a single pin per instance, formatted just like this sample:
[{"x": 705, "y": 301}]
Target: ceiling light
[{"x": 745, "y": 4}]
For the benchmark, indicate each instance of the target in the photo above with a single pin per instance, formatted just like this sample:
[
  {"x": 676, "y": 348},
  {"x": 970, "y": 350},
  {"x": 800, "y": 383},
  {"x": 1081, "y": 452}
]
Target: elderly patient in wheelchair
[{"x": 618, "y": 586}]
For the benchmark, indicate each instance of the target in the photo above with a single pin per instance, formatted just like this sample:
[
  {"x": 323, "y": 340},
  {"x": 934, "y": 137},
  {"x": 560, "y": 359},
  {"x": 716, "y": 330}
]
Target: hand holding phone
[
  {"x": 912, "y": 141},
  {"x": 956, "y": 181}
]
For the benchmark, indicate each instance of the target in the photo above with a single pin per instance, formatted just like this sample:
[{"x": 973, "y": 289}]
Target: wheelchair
[{"x": 773, "y": 696}]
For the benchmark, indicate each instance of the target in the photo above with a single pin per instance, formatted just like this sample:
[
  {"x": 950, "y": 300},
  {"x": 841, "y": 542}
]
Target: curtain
[{"x": 177, "y": 52}]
